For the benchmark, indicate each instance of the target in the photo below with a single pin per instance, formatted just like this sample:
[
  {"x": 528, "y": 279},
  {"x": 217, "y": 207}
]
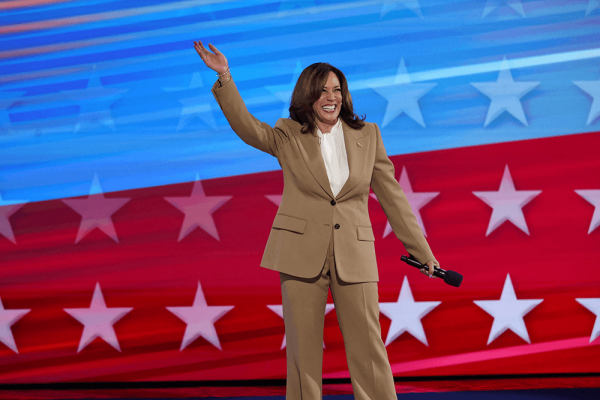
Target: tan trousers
[{"x": 357, "y": 309}]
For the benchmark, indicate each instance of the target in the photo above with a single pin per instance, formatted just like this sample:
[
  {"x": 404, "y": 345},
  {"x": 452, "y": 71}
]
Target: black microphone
[{"x": 450, "y": 277}]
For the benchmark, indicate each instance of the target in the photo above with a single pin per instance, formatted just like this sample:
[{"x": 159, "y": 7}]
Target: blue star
[
  {"x": 197, "y": 106},
  {"x": 491, "y": 5},
  {"x": 505, "y": 95},
  {"x": 593, "y": 89},
  {"x": 389, "y": 5},
  {"x": 592, "y": 5},
  {"x": 95, "y": 102},
  {"x": 403, "y": 97},
  {"x": 6, "y": 100},
  {"x": 284, "y": 92}
]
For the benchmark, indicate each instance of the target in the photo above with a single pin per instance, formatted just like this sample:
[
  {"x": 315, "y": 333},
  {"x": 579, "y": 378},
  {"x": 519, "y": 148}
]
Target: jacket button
[
  {"x": 337, "y": 226},
  {"x": 332, "y": 202}
]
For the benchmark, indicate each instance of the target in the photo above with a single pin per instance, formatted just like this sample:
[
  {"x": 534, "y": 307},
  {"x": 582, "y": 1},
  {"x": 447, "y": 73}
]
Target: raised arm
[
  {"x": 398, "y": 210},
  {"x": 252, "y": 131}
]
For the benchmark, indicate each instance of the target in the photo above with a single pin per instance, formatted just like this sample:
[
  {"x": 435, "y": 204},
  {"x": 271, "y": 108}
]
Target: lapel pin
[{"x": 358, "y": 144}]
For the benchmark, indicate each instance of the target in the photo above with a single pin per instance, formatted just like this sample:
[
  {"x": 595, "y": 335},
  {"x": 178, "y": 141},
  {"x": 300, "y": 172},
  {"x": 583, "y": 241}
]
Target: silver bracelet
[
  {"x": 224, "y": 73},
  {"x": 225, "y": 81}
]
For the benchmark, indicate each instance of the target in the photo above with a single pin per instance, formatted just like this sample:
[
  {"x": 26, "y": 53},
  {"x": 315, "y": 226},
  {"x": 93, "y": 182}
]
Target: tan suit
[
  {"x": 300, "y": 235},
  {"x": 320, "y": 241}
]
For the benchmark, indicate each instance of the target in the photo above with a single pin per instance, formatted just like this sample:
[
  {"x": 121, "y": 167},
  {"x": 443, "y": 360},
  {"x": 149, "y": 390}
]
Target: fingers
[
  {"x": 214, "y": 49},
  {"x": 429, "y": 268},
  {"x": 215, "y": 61},
  {"x": 200, "y": 48}
]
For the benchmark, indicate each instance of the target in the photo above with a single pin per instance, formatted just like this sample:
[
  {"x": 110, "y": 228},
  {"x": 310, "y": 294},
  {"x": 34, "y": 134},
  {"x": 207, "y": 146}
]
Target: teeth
[{"x": 328, "y": 108}]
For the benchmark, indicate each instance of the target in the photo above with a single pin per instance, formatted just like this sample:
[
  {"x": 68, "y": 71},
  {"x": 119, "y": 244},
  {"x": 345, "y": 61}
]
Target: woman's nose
[{"x": 331, "y": 95}]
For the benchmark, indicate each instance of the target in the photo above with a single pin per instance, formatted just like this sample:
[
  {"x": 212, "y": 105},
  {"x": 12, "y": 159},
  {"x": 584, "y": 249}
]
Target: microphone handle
[{"x": 440, "y": 273}]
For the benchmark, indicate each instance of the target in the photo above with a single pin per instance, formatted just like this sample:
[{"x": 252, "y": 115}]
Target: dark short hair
[{"x": 308, "y": 90}]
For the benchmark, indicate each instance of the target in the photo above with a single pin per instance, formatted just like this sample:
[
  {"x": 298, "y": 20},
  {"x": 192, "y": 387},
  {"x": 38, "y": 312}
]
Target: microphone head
[{"x": 453, "y": 278}]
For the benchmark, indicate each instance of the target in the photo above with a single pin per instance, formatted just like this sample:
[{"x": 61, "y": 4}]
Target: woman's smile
[{"x": 329, "y": 105}]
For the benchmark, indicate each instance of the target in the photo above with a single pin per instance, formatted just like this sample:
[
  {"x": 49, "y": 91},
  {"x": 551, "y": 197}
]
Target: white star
[
  {"x": 417, "y": 200},
  {"x": 403, "y": 96},
  {"x": 508, "y": 312},
  {"x": 284, "y": 92},
  {"x": 8, "y": 208},
  {"x": 389, "y": 5},
  {"x": 96, "y": 211},
  {"x": 491, "y": 5},
  {"x": 94, "y": 103},
  {"x": 507, "y": 203},
  {"x": 198, "y": 209},
  {"x": 278, "y": 309},
  {"x": 406, "y": 314},
  {"x": 505, "y": 95},
  {"x": 98, "y": 320},
  {"x": 200, "y": 319},
  {"x": 593, "y": 197},
  {"x": 593, "y": 304},
  {"x": 6, "y": 100},
  {"x": 7, "y": 319},
  {"x": 592, "y": 5},
  {"x": 196, "y": 106},
  {"x": 593, "y": 89}
]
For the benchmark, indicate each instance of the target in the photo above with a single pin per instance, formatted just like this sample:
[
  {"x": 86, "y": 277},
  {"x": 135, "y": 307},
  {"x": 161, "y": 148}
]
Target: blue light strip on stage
[{"x": 115, "y": 89}]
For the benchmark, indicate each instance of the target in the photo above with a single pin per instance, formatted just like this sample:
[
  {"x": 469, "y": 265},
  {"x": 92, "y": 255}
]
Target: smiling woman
[
  {"x": 322, "y": 237},
  {"x": 319, "y": 87}
]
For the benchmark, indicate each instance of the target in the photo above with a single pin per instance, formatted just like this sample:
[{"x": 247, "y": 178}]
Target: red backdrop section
[{"x": 147, "y": 269}]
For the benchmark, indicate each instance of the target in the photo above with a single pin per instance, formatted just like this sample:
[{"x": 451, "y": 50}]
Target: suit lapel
[
  {"x": 314, "y": 160},
  {"x": 357, "y": 147}
]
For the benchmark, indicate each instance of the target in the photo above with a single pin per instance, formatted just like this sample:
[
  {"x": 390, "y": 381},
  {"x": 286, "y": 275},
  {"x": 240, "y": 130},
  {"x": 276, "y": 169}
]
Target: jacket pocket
[
  {"x": 289, "y": 223},
  {"x": 365, "y": 233}
]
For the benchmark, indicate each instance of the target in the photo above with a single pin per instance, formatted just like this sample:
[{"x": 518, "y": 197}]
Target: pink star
[
  {"x": 98, "y": 320},
  {"x": 7, "y": 319},
  {"x": 8, "y": 208},
  {"x": 507, "y": 203},
  {"x": 200, "y": 319},
  {"x": 198, "y": 209},
  {"x": 417, "y": 200},
  {"x": 275, "y": 198},
  {"x": 96, "y": 211}
]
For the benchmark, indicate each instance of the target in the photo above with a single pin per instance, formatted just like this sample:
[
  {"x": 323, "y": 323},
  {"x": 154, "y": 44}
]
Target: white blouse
[{"x": 333, "y": 150}]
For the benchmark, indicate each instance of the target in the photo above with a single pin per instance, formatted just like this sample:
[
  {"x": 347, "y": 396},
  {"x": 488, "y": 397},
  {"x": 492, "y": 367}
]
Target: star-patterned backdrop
[{"x": 133, "y": 220}]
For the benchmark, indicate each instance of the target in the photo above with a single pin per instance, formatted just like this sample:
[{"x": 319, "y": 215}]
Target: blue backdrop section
[{"x": 114, "y": 88}]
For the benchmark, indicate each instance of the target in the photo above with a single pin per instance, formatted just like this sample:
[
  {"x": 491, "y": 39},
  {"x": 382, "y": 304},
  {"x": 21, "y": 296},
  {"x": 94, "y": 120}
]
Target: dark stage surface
[{"x": 565, "y": 387}]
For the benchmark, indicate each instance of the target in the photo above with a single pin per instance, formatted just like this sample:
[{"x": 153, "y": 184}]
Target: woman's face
[{"x": 329, "y": 105}]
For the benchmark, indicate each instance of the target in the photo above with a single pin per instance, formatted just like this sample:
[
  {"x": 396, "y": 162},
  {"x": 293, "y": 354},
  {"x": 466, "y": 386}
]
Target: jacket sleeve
[
  {"x": 252, "y": 131},
  {"x": 396, "y": 207}
]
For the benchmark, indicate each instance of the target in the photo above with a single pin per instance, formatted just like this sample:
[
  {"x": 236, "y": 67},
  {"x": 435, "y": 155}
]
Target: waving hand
[{"x": 215, "y": 61}]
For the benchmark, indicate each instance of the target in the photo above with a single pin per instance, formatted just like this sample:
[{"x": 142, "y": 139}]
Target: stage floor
[{"x": 489, "y": 388}]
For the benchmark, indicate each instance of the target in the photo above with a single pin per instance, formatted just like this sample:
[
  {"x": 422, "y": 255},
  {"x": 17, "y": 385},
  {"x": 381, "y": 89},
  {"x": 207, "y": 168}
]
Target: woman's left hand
[{"x": 430, "y": 264}]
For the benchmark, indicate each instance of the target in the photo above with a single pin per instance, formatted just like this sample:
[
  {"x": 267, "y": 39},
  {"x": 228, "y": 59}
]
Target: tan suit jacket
[{"x": 303, "y": 225}]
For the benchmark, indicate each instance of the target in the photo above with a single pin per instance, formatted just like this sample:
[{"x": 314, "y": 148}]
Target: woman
[{"x": 321, "y": 237}]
